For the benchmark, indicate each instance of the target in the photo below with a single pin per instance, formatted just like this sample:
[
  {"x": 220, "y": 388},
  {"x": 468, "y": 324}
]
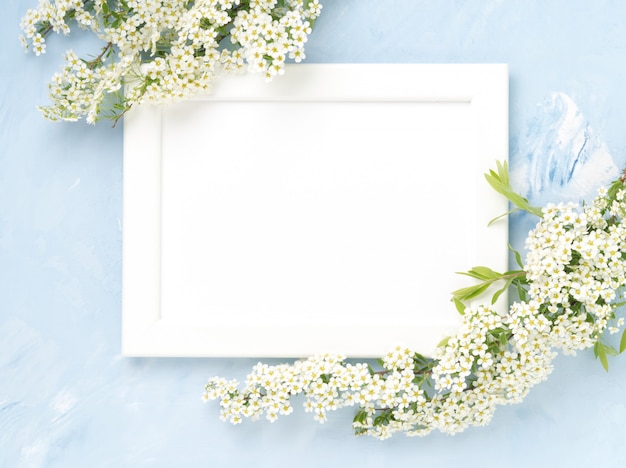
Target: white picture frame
[{"x": 368, "y": 178}]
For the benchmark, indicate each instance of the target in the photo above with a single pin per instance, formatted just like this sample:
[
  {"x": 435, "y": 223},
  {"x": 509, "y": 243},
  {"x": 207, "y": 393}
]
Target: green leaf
[
  {"x": 622, "y": 343},
  {"x": 470, "y": 292},
  {"x": 518, "y": 257},
  {"x": 460, "y": 307},
  {"x": 521, "y": 292},
  {"x": 504, "y": 338},
  {"x": 499, "y": 292},
  {"x": 481, "y": 272},
  {"x": 600, "y": 352},
  {"x": 443, "y": 342},
  {"x": 383, "y": 418},
  {"x": 360, "y": 416},
  {"x": 500, "y": 182},
  {"x": 502, "y": 216}
]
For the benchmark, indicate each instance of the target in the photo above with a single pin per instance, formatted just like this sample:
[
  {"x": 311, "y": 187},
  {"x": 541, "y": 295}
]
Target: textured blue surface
[{"x": 67, "y": 397}]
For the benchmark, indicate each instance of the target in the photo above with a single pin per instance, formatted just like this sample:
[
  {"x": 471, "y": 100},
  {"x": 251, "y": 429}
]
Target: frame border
[{"x": 145, "y": 333}]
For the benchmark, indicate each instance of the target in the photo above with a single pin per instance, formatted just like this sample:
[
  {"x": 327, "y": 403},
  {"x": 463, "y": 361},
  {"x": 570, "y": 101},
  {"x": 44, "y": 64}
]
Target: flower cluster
[
  {"x": 575, "y": 267},
  {"x": 166, "y": 49}
]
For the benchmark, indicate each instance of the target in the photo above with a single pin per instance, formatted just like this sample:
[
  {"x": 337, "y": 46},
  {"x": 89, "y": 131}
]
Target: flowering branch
[
  {"x": 575, "y": 267},
  {"x": 166, "y": 50}
]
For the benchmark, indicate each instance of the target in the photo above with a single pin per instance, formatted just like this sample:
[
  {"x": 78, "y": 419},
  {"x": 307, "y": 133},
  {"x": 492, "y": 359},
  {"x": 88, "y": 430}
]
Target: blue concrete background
[{"x": 67, "y": 397}]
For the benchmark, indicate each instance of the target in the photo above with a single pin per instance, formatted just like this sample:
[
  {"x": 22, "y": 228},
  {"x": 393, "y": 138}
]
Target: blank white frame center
[{"x": 324, "y": 212}]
